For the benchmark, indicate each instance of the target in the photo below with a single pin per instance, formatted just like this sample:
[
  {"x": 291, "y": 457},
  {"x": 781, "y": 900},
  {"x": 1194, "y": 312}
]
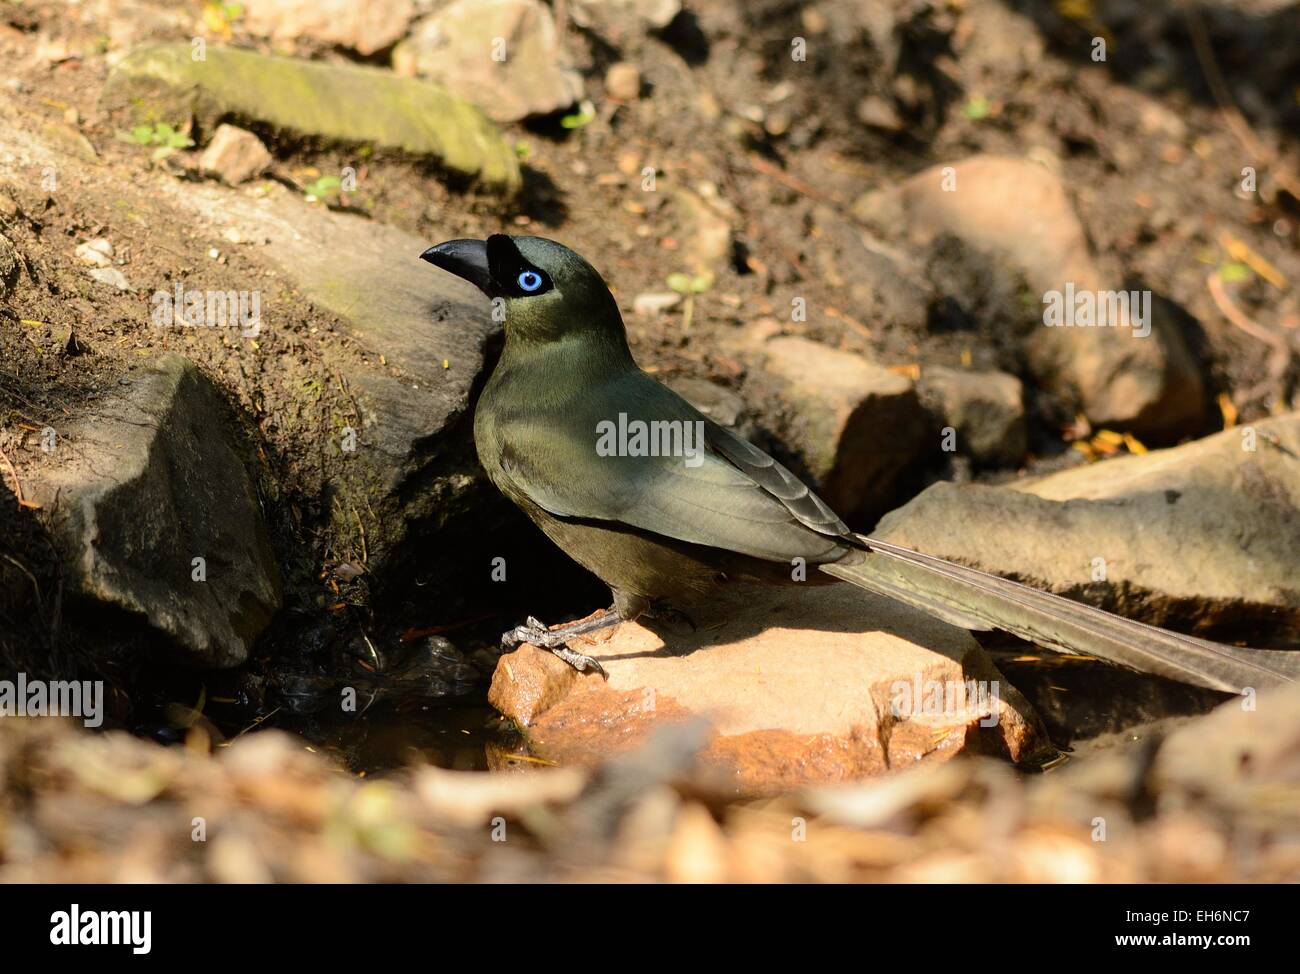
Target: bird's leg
[{"x": 537, "y": 633}]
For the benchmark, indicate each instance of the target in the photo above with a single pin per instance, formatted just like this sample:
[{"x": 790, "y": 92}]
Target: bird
[{"x": 666, "y": 521}]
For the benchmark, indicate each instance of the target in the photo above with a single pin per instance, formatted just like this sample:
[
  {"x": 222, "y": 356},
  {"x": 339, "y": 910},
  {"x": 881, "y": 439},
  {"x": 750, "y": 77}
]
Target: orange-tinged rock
[{"x": 801, "y": 686}]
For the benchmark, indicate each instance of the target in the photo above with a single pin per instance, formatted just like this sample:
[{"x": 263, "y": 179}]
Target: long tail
[{"x": 977, "y": 600}]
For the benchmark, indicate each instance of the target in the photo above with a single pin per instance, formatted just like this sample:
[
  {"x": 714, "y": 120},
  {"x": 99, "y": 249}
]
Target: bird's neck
[
  {"x": 593, "y": 354},
  {"x": 554, "y": 372}
]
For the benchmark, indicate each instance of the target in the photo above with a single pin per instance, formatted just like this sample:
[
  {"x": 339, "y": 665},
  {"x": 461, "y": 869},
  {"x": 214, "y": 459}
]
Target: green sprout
[
  {"x": 977, "y": 108},
  {"x": 165, "y": 138},
  {"x": 323, "y": 188},
  {"x": 1234, "y": 272},
  {"x": 586, "y": 113},
  {"x": 689, "y": 285}
]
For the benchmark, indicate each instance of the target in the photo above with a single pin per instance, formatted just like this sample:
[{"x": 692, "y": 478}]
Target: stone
[
  {"x": 1200, "y": 538},
  {"x": 717, "y": 402},
  {"x": 503, "y": 55},
  {"x": 1019, "y": 212},
  {"x": 234, "y": 155},
  {"x": 800, "y": 686},
  {"x": 364, "y": 26},
  {"x": 347, "y": 104},
  {"x": 858, "y": 428},
  {"x": 414, "y": 465},
  {"x": 985, "y": 409},
  {"x": 656, "y": 14},
  {"x": 68, "y": 140},
  {"x": 143, "y": 485},
  {"x": 623, "y": 81},
  {"x": 110, "y": 276},
  {"x": 97, "y": 252},
  {"x": 877, "y": 112},
  {"x": 652, "y": 303}
]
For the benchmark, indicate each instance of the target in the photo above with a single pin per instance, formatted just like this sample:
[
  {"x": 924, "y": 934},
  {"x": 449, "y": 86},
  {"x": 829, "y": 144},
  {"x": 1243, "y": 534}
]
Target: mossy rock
[{"x": 337, "y": 103}]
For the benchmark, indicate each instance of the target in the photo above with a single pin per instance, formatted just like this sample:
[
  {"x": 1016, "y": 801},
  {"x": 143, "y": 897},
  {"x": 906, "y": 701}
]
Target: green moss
[{"x": 338, "y": 103}]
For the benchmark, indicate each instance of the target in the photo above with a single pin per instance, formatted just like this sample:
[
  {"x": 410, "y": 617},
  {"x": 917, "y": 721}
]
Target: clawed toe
[
  {"x": 578, "y": 661},
  {"x": 537, "y": 633},
  {"x": 531, "y": 631}
]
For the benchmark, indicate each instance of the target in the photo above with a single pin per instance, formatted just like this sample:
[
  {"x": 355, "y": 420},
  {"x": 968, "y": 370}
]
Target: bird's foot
[{"x": 537, "y": 633}]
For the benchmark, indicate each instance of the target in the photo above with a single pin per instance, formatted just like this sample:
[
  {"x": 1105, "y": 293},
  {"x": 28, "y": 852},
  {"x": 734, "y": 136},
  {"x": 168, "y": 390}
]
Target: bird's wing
[{"x": 729, "y": 495}]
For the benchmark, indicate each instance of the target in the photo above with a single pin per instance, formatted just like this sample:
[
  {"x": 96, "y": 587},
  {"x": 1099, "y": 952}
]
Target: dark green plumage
[{"x": 662, "y": 533}]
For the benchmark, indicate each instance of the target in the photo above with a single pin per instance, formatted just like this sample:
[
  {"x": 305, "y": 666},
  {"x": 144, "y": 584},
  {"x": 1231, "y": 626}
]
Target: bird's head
[{"x": 547, "y": 292}]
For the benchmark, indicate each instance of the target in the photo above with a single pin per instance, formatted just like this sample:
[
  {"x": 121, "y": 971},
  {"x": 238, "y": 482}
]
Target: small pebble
[
  {"x": 97, "y": 252},
  {"x": 623, "y": 81},
  {"x": 653, "y": 303},
  {"x": 111, "y": 276}
]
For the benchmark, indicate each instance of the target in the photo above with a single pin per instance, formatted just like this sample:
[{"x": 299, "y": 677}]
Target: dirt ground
[{"x": 1145, "y": 144}]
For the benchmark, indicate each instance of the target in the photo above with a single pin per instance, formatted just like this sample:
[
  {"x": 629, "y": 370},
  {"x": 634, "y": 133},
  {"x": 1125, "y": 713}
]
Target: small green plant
[
  {"x": 323, "y": 188},
  {"x": 586, "y": 113},
  {"x": 1234, "y": 272},
  {"x": 689, "y": 285},
  {"x": 219, "y": 17},
  {"x": 977, "y": 108},
  {"x": 164, "y": 137}
]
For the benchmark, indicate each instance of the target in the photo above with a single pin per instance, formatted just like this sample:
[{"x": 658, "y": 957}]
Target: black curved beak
[{"x": 467, "y": 259}]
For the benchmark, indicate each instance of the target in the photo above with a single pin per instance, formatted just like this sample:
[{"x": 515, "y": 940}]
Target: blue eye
[{"x": 529, "y": 281}]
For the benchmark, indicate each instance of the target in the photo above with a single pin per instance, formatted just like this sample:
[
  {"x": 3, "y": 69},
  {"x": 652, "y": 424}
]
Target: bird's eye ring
[{"x": 529, "y": 281}]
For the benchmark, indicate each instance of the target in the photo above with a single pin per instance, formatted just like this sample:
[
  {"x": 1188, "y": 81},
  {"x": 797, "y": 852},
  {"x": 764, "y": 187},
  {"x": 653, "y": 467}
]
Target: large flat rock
[
  {"x": 1201, "y": 538},
  {"x": 800, "y": 686}
]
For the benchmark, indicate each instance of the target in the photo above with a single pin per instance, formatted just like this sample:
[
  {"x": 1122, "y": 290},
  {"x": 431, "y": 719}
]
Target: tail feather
[{"x": 977, "y": 600}]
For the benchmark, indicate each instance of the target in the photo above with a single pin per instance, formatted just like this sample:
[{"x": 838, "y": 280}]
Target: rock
[
  {"x": 717, "y": 402},
  {"x": 1019, "y": 212},
  {"x": 800, "y": 685},
  {"x": 879, "y": 113},
  {"x": 656, "y": 14},
  {"x": 97, "y": 252},
  {"x": 985, "y": 409},
  {"x": 857, "y": 427},
  {"x": 68, "y": 140},
  {"x": 413, "y": 469},
  {"x": 365, "y": 27},
  {"x": 341, "y": 103},
  {"x": 623, "y": 81},
  {"x": 1200, "y": 538},
  {"x": 234, "y": 156},
  {"x": 502, "y": 55},
  {"x": 110, "y": 276},
  {"x": 651, "y": 303},
  {"x": 140, "y": 488}
]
